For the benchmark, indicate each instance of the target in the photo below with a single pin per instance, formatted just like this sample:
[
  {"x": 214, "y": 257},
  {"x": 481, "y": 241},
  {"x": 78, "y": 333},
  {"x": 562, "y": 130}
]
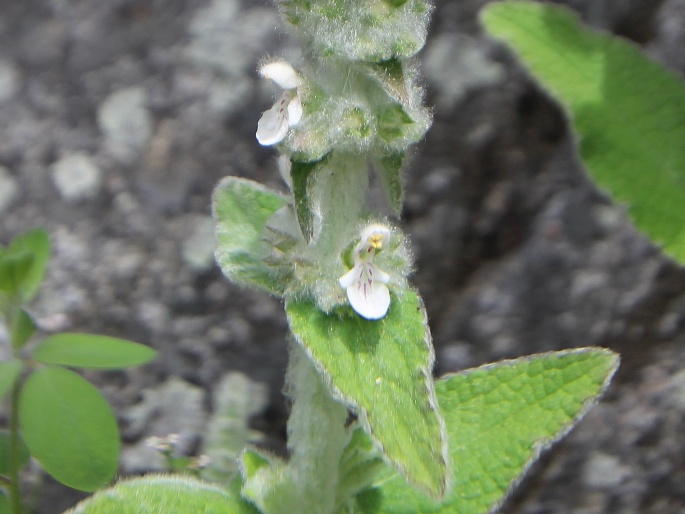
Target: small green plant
[
  {"x": 55, "y": 415},
  {"x": 370, "y": 430}
]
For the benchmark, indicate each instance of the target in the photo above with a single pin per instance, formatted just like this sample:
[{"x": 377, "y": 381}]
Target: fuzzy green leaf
[
  {"x": 92, "y": 351},
  {"x": 268, "y": 483},
  {"x": 499, "y": 418},
  {"x": 24, "y": 454},
  {"x": 627, "y": 111},
  {"x": 360, "y": 466},
  {"x": 69, "y": 428},
  {"x": 241, "y": 209},
  {"x": 155, "y": 494},
  {"x": 9, "y": 371},
  {"x": 37, "y": 243},
  {"x": 383, "y": 369}
]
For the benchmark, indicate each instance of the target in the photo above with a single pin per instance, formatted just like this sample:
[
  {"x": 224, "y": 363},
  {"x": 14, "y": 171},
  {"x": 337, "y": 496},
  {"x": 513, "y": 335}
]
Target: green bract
[{"x": 627, "y": 111}]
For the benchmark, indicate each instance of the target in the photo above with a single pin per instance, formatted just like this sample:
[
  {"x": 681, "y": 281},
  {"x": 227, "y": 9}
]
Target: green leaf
[
  {"x": 9, "y": 371},
  {"x": 14, "y": 271},
  {"x": 389, "y": 171},
  {"x": 241, "y": 210},
  {"x": 269, "y": 483},
  {"x": 155, "y": 494},
  {"x": 627, "y": 111},
  {"x": 4, "y": 504},
  {"x": 69, "y": 428},
  {"x": 23, "y": 328},
  {"x": 383, "y": 369},
  {"x": 24, "y": 454},
  {"x": 92, "y": 351},
  {"x": 499, "y": 418},
  {"x": 37, "y": 243}
]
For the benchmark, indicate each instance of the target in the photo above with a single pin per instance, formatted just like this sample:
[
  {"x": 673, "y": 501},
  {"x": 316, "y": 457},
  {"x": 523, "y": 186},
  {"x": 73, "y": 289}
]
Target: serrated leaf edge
[{"x": 544, "y": 444}]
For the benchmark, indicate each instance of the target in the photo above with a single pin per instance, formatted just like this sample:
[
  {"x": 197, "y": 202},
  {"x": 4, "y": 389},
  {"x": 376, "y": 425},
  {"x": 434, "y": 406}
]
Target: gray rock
[
  {"x": 198, "y": 248},
  {"x": 154, "y": 315},
  {"x": 604, "y": 471},
  {"x": 77, "y": 177},
  {"x": 173, "y": 407},
  {"x": 42, "y": 44},
  {"x": 456, "y": 64},
  {"x": 236, "y": 399},
  {"x": 225, "y": 97},
  {"x": 228, "y": 43},
  {"x": 9, "y": 80},
  {"x": 126, "y": 123},
  {"x": 227, "y": 40},
  {"x": 9, "y": 190}
]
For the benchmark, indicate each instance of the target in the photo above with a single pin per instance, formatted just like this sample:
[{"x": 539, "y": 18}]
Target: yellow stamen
[{"x": 376, "y": 240}]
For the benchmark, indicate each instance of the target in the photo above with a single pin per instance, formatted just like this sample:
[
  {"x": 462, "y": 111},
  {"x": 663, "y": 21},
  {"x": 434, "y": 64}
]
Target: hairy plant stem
[{"x": 316, "y": 434}]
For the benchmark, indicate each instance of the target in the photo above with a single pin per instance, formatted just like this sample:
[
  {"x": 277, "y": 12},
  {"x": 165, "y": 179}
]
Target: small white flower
[
  {"x": 287, "y": 111},
  {"x": 365, "y": 282}
]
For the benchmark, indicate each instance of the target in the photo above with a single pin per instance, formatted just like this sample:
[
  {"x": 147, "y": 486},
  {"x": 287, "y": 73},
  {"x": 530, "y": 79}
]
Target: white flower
[
  {"x": 287, "y": 111},
  {"x": 365, "y": 282}
]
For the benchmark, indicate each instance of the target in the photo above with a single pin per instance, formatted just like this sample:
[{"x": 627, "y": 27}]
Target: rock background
[{"x": 117, "y": 119}]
